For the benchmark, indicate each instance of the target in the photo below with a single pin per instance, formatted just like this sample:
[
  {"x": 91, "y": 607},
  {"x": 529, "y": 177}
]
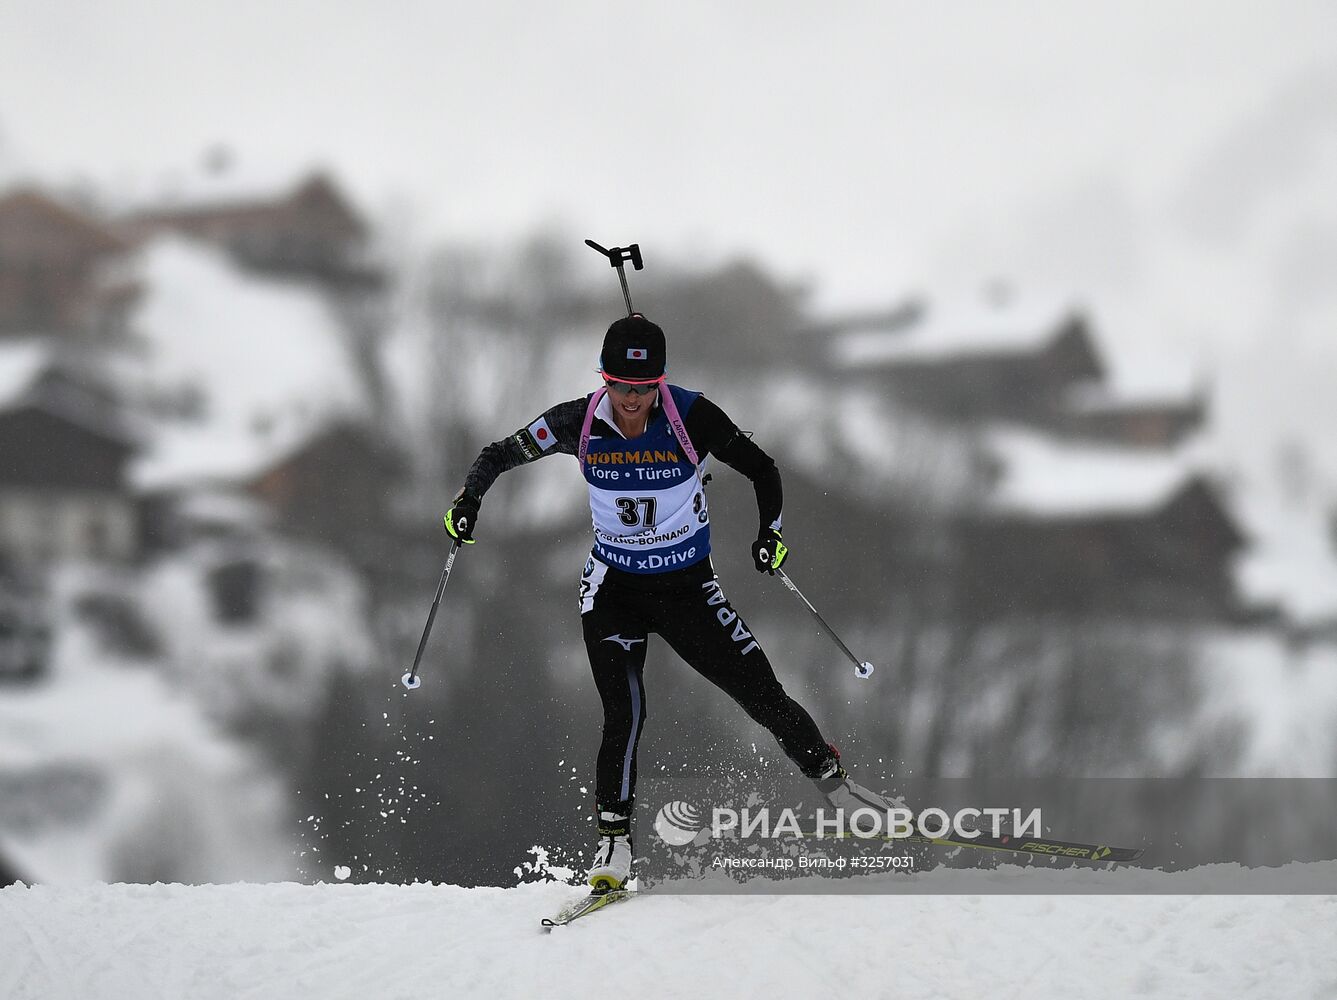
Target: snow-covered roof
[
  {"x": 21, "y": 362},
  {"x": 225, "y": 506},
  {"x": 23, "y": 365},
  {"x": 1045, "y": 476},
  {"x": 1097, "y": 398},
  {"x": 187, "y": 455},
  {"x": 952, "y": 326},
  {"x": 1153, "y": 376},
  {"x": 269, "y": 356}
]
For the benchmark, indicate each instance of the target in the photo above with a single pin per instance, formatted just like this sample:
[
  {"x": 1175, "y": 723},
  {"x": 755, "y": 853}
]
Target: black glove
[
  {"x": 768, "y": 552},
  {"x": 462, "y": 517}
]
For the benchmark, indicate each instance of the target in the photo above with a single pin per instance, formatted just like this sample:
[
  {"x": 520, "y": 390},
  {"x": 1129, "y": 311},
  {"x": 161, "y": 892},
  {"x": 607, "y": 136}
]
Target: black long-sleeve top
[{"x": 708, "y": 427}]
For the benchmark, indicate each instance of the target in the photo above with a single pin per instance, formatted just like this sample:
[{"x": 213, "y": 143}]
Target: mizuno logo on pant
[{"x": 624, "y": 643}]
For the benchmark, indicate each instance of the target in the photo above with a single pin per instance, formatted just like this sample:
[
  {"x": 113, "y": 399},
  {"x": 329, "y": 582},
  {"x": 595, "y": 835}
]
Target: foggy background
[{"x": 1034, "y": 309}]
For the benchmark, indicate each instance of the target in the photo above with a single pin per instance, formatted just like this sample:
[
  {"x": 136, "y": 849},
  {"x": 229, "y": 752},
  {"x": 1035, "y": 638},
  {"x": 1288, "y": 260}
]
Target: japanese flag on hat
[{"x": 633, "y": 350}]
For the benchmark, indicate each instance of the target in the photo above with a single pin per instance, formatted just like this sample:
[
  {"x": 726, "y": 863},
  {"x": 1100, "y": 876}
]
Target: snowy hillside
[{"x": 283, "y": 941}]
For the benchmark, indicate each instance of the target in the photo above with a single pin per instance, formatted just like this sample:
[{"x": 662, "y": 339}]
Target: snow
[
  {"x": 156, "y": 788},
  {"x": 187, "y": 456},
  {"x": 1291, "y": 559},
  {"x": 268, "y": 355},
  {"x": 21, "y": 361},
  {"x": 1141, "y": 389},
  {"x": 1158, "y": 375},
  {"x": 409, "y": 942},
  {"x": 223, "y": 509},
  {"x": 1287, "y": 696},
  {"x": 125, "y": 766},
  {"x": 310, "y": 626},
  {"x": 1045, "y": 476}
]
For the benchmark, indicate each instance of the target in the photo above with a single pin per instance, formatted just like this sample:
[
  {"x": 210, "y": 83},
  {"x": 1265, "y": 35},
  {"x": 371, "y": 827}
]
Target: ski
[
  {"x": 1036, "y": 846},
  {"x": 586, "y": 905},
  {"x": 1046, "y": 847}
]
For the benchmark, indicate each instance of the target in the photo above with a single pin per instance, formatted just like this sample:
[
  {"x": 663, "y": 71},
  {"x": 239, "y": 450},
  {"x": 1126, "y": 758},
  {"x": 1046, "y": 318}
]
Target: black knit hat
[{"x": 633, "y": 349}]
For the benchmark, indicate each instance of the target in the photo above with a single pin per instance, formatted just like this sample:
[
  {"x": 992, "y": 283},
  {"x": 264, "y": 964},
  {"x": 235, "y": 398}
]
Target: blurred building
[
  {"x": 1039, "y": 366},
  {"x": 1085, "y": 526},
  {"x": 336, "y": 487},
  {"x": 1022, "y": 370},
  {"x": 310, "y": 231},
  {"x": 64, "y": 451},
  {"x": 1094, "y": 413},
  {"x": 1093, "y": 501},
  {"x": 62, "y": 272}
]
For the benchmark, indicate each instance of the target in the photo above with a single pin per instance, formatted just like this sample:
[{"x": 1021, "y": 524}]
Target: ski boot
[{"x": 612, "y": 858}]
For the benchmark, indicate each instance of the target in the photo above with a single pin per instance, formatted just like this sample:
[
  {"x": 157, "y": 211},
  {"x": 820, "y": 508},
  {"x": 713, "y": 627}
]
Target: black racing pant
[{"x": 688, "y": 609}]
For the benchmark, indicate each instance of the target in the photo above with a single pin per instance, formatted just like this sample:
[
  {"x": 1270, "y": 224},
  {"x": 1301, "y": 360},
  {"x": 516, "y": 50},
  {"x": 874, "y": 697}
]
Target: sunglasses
[{"x": 632, "y": 388}]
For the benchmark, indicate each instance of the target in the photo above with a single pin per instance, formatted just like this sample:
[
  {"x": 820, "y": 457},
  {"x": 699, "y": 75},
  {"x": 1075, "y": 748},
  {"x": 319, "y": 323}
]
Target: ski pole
[
  {"x": 861, "y": 667},
  {"x": 616, "y": 256},
  {"x": 410, "y": 680}
]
